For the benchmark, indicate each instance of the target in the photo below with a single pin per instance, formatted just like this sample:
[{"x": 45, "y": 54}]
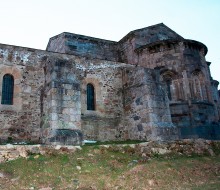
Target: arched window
[
  {"x": 168, "y": 78},
  {"x": 7, "y": 89},
  {"x": 168, "y": 84},
  {"x": 90, "y": 97}
]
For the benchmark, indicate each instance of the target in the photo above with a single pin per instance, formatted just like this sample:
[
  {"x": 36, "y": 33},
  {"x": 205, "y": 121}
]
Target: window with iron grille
[
  {"x": 7, "y": 89},
  {"x": 90, "y": 97}
]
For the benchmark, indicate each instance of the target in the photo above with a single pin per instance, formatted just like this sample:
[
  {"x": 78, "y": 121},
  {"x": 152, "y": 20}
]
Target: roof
[{"x": 154, "y": 33}]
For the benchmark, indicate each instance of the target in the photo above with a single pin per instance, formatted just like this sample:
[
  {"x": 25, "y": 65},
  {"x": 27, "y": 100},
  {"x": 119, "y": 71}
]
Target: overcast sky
[{"x": 30, "y": 23}]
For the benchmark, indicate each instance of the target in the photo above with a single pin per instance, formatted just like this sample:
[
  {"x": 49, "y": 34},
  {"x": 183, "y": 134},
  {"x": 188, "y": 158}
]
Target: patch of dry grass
[{"x": 98, "y": 168}]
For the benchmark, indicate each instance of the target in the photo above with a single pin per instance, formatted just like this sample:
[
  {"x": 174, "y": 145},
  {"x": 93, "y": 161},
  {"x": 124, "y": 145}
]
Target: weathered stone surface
[
  {"x": 151, "y": 85},
  {"x": 67, "y": 137},
  {"x": 7, "y": 153},
  {"x": 1, "y": 175},
  {"x": 145, "y": 150},
  {"x": 46, "y": 188}
]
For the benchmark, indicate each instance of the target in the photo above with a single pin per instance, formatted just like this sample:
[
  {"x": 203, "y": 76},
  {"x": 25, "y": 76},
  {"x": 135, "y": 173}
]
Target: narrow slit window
[
  {"x": 168, "y": 84},
  {"x": 7, "y": 89},
  {"x": 90, "y": 97}
]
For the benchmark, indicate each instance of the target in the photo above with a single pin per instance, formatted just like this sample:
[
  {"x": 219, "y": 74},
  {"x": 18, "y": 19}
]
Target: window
[
  {"x": 167, "y": 77},
  {"x": 168, "y": 84},
  {"x": 90, "y": 97},
  {"x": 7, "y": 89}
]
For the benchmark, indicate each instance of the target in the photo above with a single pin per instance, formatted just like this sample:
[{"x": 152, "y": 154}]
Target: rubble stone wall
[
  {"x": 130, "y": 104},
  {"x": 83, "y": 46},
  {"x": 145, "y": 150},
  {"x": 102, "y": 123},
  {"x": 151, "y": 85},
  {"x": 21, "y": 120},
  {"x": 147, "y": 114}
]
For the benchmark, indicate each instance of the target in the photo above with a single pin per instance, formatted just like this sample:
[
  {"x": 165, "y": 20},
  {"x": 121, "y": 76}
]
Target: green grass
[{"x": 111, "y": 168}]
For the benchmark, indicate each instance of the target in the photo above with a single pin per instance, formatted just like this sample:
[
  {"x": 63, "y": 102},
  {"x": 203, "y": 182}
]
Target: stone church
[{"x": 153, "y": 84}]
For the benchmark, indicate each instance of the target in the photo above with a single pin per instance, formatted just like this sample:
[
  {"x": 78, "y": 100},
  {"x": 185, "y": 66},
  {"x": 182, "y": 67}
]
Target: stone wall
[
  {"x": 83, "y": 46},
  {"x": 146, "y": 84},
  {"x": 130, "y": 44},
  {"x": 21, "y": 120},
  {"x": 103, "y": 122},
  {"x": 195, "y": 120},
  {"x": 130, "y": 103},
  {"x": 216, "y": 98},
  {"x": 181, "y": 62},
  {"x": 144, "y": 151},
  {"x": 192, "y": 92},
  {"x": 53, "y": 98},
  {"x": 46, "y": 95},
  {"x": 147, "y": 114},
  {"x": 62, "y": 91}
]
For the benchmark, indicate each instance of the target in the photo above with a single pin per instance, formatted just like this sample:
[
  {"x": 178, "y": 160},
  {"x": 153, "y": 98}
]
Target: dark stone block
[
  {"x": 60, "y": 63},
  {"x": 140, "y": 127},
  {"x": 76, "y": 86},
  {"x": 136, "y": 117},
  {"x": 138, "y": 101}
]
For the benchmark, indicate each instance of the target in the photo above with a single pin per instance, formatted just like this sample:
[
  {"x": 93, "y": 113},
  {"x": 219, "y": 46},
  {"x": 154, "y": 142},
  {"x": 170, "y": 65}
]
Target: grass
[{"x": 100, "y": 168}]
